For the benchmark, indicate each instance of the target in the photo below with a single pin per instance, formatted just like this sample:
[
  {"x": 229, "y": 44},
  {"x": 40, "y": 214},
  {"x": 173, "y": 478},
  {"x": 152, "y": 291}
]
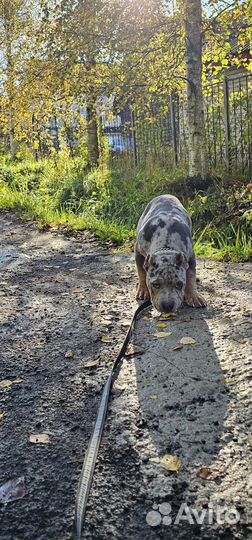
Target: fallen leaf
[
  {"x": 166, "y": 316},
  {"x": 90, "y": 364},
  {"x": 162, "y": 334},
  {"x": 2, "y": 417},
  {"x": 146, "y": 319},
  {"x": 6, "y": 383},
  {"x": 171, "y": 463},
  {"x": 106, "y": 321},
  {"x": 187, "y": 340},
  {"x": 119, "y": 389},
  {"x": 204, "y": 473},
  {"x": 37, "y": 438},
  {"x": 12, "y": 490},
  {"x": 124, "y": 323},
  {"x": 106, "y": 339},
  {"x": 133, "y": 350},
  {"x": 178, "y": 347},
  {"x": 69, "y": 354},
  {"x": 161, "y": 325},
  {"x": 153, "y": 396}
]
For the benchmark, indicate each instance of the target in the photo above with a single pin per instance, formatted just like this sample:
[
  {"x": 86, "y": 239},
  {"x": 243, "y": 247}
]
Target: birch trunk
[{"x": 195, "y": 111}]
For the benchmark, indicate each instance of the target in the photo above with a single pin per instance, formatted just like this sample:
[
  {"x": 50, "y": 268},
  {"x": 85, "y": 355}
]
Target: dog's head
[{"x": 166, "y": 279}]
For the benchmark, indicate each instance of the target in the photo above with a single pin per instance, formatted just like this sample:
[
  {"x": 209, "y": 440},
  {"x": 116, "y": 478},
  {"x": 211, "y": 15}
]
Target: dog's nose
[{"x": 168, "y": 306}]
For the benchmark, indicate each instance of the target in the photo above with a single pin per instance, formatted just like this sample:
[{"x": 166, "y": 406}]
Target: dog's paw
[
  {"x": 194, "y": 299},
  {"x": 142, "y": 293}
]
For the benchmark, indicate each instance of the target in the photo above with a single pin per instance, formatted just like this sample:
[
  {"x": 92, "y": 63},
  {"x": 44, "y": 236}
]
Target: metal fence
[
  {"x": 228, "y": 112},
  {"x": 161, "y": 135}
]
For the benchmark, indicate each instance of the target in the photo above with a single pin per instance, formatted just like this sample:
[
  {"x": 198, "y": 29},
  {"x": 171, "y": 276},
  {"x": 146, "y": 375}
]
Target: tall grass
[{"x": 109, "y": 200}]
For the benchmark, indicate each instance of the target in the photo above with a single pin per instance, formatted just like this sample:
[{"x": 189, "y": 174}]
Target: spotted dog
[{"x": 165, "y": 256}]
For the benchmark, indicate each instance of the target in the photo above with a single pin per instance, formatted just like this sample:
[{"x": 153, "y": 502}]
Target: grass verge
[{"x": 109, "y": 201}]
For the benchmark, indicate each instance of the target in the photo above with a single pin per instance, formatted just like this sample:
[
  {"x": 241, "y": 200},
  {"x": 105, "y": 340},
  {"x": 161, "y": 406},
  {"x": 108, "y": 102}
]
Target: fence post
[
  {"x": 133, "y": 135},
  {"x": 173, "y": 128},
  {"x": 227, "y": 123},
  {"x": 33, "y": 128},
  {"x": 56, "y": 127}
]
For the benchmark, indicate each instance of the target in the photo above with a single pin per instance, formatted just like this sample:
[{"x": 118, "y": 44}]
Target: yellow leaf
[
  {"x": 153, "y": 396},
  {"x": 166, "y": 316},
  {"x": 161, "y": 325},
  {"x": 37, "y": 438},
  {"x": 162, "y": 334},
  {"x": 187, "y": 340},
  {"x": 2, "y": 416},
  {"x": 171, "y": 463},
  {"x": 6, "y": 383},
  {"x": 106, "y": 339}
]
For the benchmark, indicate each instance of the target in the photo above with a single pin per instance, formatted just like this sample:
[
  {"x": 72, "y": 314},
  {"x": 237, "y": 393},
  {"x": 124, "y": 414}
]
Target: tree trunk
[
  {"x": 92, "y": 135},
  {"x": 195, "y": 111},
  {"x": 10, "y": 92},
  {"x": 92, "y": 123},
  {"x": 10, "y": 84}
]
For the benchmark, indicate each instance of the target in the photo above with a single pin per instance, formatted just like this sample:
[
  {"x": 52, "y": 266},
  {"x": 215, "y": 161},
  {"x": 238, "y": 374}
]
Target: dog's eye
[
  {"x": 179, "y": 285},
  {"x": 156, "y": 285}
]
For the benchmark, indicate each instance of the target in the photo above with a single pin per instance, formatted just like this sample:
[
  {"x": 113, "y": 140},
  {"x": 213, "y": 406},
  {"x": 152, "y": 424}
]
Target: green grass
[
  {"x": 32, "y": 207},
  {"x": 231, "y": 244},
  {"x": 109, "y": 200}
]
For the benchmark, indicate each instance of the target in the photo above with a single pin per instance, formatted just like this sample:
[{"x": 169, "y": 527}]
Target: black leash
[{"x": 88, "y": 467}]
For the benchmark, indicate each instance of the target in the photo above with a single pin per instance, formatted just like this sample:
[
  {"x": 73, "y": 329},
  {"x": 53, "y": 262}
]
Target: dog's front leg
[
  {"x": 192, "y": 297},
  {"x": 142, "y": 289}
]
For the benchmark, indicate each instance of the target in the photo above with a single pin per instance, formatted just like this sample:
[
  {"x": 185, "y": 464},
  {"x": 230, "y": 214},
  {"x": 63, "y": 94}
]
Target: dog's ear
[
  {"x": 182, "y": 260},
  {"x": 148, "y": 261}
]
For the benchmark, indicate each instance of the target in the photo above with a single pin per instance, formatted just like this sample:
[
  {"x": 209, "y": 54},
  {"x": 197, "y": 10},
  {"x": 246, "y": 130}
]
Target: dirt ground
[{"x": 59, "y": 295}]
